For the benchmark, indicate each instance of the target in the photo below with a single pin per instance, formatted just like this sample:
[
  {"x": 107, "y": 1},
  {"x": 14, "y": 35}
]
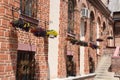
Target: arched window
[
  {"x": 71, "y": 6},
  {"x": 91, "y": 25},
  {"x": 98, "y": 27},
  {"x": 83, "y": 27},
  {"x": 104, "y": 26}
]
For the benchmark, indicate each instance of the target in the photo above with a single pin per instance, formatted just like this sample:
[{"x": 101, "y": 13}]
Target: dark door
[
  {"x": 91, "y": 65},
  {"x": 70, "y": 66},
  {"x": 25, "y": 65}
]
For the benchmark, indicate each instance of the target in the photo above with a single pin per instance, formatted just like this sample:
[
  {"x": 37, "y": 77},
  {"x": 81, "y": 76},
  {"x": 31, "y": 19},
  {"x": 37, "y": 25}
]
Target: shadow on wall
[
  {"x": 46, "y": 58},
  {"x": 42, "y": 66},
  {"x": 13, "y": 44}
]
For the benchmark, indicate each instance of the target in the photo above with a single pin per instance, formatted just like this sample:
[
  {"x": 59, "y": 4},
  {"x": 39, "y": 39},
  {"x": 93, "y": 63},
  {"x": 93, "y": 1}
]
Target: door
[{"x": 25, "y": 65}]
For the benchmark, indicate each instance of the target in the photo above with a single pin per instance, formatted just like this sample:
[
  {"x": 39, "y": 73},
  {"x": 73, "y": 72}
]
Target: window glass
[
  {"x": 91, "y": 26},
  {"x": 83, "y": 28},
  {"x": 91, "y": 31},
  {"x": 70, "y": 16},
  {"x": 29, "y": 7}
]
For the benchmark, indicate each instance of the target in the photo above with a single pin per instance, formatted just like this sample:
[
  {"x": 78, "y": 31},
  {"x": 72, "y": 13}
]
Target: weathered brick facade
[
  {"x": 10, "y": 39},
  {"x": 64, "y": 44},
  {"x": 116, "y": 57},
  {"x": 100, "y": 17},
  {"x": 115, "y": 67}
]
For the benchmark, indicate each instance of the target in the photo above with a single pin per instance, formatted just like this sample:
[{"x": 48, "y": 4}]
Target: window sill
[
  {"x": 71, "y": 35},
  {"x": 29, "y": 19}
]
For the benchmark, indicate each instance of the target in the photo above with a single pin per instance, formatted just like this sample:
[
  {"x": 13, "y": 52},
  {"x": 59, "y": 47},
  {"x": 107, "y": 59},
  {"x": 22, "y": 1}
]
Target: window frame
[
  {"x": 31, "y": 19},
  {"x": 71, "y": 7},
  {"x": 92, "y": 21},
  {"x": 29, "y": 8}
]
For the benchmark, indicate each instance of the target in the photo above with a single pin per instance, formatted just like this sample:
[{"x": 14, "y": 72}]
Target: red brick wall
[
  {"x": 115, "y": 67},
  {"x": 75, "y": 49},
  {"x": 117, "y": 41},
  {"x": 63, "y": 43},
  {"x": 9, "y": 39}
]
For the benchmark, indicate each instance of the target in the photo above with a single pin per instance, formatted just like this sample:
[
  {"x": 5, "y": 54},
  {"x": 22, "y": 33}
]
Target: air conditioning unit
[{"x": 84, "y": 13}]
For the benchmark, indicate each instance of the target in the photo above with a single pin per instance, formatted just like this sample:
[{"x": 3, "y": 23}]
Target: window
[
  {"x": 117, "y": 30},
  {"x": 91, "y": 31},
  {"x": 70, "y": 66},
  {"x": 25, "y": 65},
  {"x": 104, "y": 26},
  {"x": 83, "y": 28},
  {"x": 108, "y": 1},
  {"x": 29, "y": 7},
  {"x": 91, "y": 26},
  {"x": 70, "y": 16}
]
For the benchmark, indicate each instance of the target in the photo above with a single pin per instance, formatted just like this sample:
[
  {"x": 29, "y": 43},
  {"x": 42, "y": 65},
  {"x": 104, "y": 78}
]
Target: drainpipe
[{"x": 114, "y": 31}]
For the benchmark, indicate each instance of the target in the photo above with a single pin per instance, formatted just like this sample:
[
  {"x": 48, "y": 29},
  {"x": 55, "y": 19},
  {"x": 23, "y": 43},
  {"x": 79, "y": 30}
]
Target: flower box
[
  {"x": 73, "y": 41},
  {"x": 93, "y": 46},
  {"x": 17, "y": 23},
  {"x": 82, "y": 43},
  {"x": 39, "y": 32},
  {"x": 21, "y": 24},
  {"x": 99, "y": 40},
  {"x": 51, "y": 33},
  {"x": 109, "y": 37}
]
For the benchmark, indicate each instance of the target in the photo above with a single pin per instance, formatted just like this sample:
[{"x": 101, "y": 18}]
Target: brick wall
[
  {"x": 10, "y": 38},
  {"x": 64, "y": 45},
  {"x": 62, "y": 36},
  {"x": 115, "y": 67},
  {"x": 88, "y": 50},
  {"x": 117, "y": 41}
]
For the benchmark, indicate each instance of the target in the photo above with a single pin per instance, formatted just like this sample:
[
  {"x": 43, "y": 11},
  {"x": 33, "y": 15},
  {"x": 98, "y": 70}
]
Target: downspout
[{"x": 114, "y": 31}]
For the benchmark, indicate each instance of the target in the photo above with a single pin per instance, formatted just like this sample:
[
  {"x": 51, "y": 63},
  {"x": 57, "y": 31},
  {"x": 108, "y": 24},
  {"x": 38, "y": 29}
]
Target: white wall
[
  {"x": 114, "y": 5},
  {"x": 53, "y": 43}
]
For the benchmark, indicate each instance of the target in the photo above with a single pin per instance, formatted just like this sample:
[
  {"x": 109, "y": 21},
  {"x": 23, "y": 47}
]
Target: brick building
[
  {"x": 115, "y": 9},
  {"x": 80, "y": 25},
  {"x": 85, "y": 20},
  {"x": 116, "y": 57},
  {"x": 22, "y": 54}
]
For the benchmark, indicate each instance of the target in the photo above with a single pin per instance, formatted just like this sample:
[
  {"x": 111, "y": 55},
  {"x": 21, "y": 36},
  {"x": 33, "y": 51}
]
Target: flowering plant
[
  {"x": 51, "y": 33},
  {"x": 17, "y": 23},
  {"x": 93, "y": 46},
  {"x": 73, "y": 41},
  {"x": 26, "y": 26},
  {"x": 21, "y": 24},
  {"x": 39, "y": 32},
  {"x": 82, "y": 43}
]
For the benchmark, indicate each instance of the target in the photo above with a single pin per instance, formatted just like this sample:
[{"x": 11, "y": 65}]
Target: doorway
[{"x": 25, "y": 65}]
